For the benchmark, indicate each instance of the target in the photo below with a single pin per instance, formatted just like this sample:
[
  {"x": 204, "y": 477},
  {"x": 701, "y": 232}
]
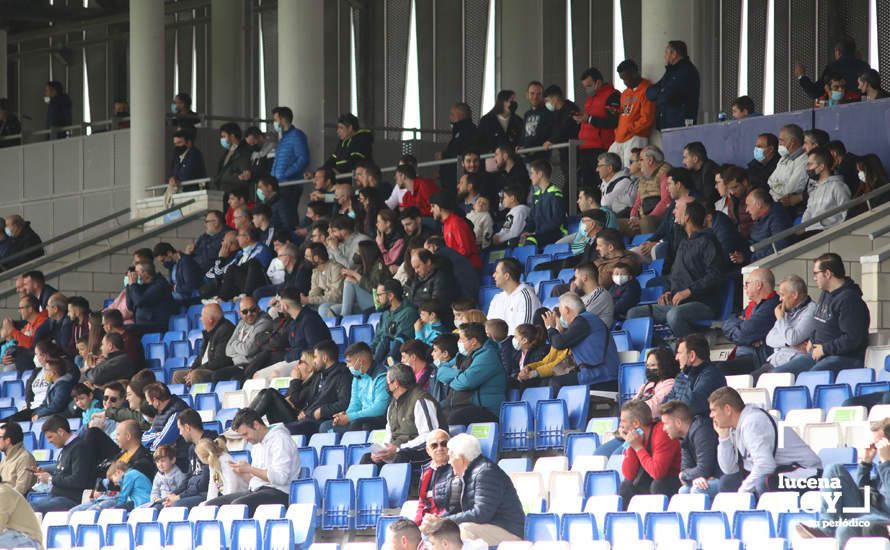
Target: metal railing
[
  {"x": 67, "y": 234},
  {"x": 80, "y": 128},
  {"x": 198, "y": 183},
  {"x": 802, "y": 227},
  {"x": 7, "y": 275}
]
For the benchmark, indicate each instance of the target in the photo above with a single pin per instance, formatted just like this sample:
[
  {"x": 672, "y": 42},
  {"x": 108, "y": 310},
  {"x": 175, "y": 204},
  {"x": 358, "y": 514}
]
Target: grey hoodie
[
  {"x": 754, "y": 439},
  {"x": 829, "y": 194},
  {"x": 242, "y": 346}
]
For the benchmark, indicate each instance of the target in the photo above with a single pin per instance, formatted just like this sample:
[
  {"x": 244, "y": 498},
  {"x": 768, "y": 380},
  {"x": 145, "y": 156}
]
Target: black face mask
[
  {"x": 357, "y": 260},
  {"x": 513, "y": 107},
  {"x": 179, "y": 150},
  {"x": 652, "y": 375},
  {"x": 257, "y": 147},
  {"x": 812, "y": 175}
]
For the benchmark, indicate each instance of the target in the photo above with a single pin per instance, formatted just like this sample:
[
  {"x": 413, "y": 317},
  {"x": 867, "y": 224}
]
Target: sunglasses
[
  {"x": 109, "y": 398},
  {"x": 249, "y": 310},
  {"x": 438, "y": 444}
]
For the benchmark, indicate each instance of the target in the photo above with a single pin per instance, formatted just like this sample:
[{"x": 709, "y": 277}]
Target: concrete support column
[
  {"x": 521, "y": 46},
  {"x": 4, "y": 66},
  {"x": 147, "y": 98},
  {"x": 226, "y": 59},
  {"x": 301, "y": 62}
]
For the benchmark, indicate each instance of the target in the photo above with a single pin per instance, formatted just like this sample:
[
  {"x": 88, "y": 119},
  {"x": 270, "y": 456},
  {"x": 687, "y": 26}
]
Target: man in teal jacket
[
  {"x": 396, "y": 325},
  {"x": 477, "y": 380},
  {"x": 370, "y": 395}
]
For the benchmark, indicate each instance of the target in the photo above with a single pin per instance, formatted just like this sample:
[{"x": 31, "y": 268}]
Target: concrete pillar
[
  {"x": 226, "y": 59},
  {"x": 4, "y": 66},
  {"x": 301, "y": 62},
  {"x": 521, "y": 46},
  {"x": 147, "y": 98}
]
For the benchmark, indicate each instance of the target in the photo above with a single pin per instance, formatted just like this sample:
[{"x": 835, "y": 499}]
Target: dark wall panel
[
  {"x": 802, "y": 31},
  {"x": 601, "y": 37},
  {"x": 782, "y": 67},
  {"x": 631, "y": 16},
  {"x": 581, "y": 42},
  {"x": 448, "y": 61},
  {"x": 756, "y": 48},
  {"x": 732, "y": 19},
  {"x": 554, "y": 46},
  {"x": 475, "y": 21}
]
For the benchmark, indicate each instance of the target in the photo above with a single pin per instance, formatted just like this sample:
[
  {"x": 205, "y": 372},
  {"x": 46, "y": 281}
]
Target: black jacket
[
  {"x": 26, "y": 239},
  {"x": 490, "y": 132},
  {"x": 333, "y": 390},
  {"x": 282, "y": 212},
  {"x": 676, "y": 95},
  {"x": 463, "y": 138},
  {"x": 75, "y": 470},
  {"x": 304, "y": 332},
  {"x": 227, "y": 173},
  {"x": 537, "y": 127},
  {"x": 58, "y": 111},
  {"x": 207, "y": 249},
  {"x": 489, "y": 497},
  {"x": 463, "y": 271},
  {"x": 351, "y": 151},
  {"x": 564, "y": 126},
  {"x": 152, "y": 302},
  {"x": 300, "y": 392},
  {"x": 214, "y": 345},
  {"x": 698, "y": 451},
  {"x": 699, "y": 266},
  {"x": 625, "y": 297},
  {"x": 142, "y": 461},
  {"x": 439, "y": 285},
  {"x": 704, "y": 181},
  {"x": 759, "y": 173},
  {"x": 116, "y": 366},
  {"x": 841, "y": 322},
  {"x": 197, "y": 473},
  {"x": 847, "y": 66}
]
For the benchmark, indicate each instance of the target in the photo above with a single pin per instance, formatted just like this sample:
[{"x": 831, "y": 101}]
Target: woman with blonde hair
[
  {"x": 223, "y": 480},
  {"x": 474, "y": 316}
]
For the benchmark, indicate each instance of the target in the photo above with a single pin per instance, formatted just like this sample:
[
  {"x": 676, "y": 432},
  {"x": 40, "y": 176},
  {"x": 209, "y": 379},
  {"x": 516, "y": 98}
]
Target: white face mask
[
  {"x": 620, "y": 279},
  {"x": 516, "y": 345},
  {"x": 861, "y": 175},
  {"x": 550, "y": 106},
  {"x": 783, "y": 151}
]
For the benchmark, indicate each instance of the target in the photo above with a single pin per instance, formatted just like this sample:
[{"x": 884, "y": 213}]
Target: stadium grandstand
[{"x": 513, "y": 274}]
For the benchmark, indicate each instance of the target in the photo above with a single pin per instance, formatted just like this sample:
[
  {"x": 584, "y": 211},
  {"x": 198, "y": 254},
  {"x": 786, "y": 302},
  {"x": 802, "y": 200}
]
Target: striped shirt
[{"x": 516, "y": 308}]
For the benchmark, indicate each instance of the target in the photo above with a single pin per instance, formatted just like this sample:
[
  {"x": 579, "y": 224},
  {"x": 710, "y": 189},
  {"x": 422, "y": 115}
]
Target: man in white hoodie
[{"x": 830, "y": 191}]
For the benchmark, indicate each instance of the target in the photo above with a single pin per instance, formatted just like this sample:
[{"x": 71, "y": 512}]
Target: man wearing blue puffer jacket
[
  {"x": 292, "y": 155},
  {"x": 477, "y": 381},
  {"x": 370, "y": 394},
  {"x": 590, "y": 341}
]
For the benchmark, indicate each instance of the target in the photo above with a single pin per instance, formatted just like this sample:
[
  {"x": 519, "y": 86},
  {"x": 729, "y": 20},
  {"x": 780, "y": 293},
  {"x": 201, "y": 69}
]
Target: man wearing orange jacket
[
  {"x": 637, "y": 113},
  {"x": 598, "y": 123}
]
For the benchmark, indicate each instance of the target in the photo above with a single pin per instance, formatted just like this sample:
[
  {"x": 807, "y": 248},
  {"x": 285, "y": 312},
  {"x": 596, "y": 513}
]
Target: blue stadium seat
[
  {"x": 516, "y": 421},
  {"x": 119, "y": 535},
  {"x": 213, "y": 426},
  {"x": 180, "y": 534},
  {"x": 229, "y": 306},
  {"x": 358, "y": 471},
  {"x": 347, "y": 321},
  {"x": 398, "y": 479},
  {"x": 60, "y": 536},
  {"x": 361, "y": 333},
  {"x": 383, "y": 523},
  {"x": 339, "y": 496},
  {"x": 486, "y": 295},
  {"x": 788, "y": 398},
  {"x": 865, "y": 388},
  {"x": 179, "y": 348},
  {"x": 210, "y": 534},
  {"x": 532, "y": 278},
  {"x": 664, "y": 526},
  {"x": 831, "y": 395},
  {"x": 178, "y": 323},
  {"x": 550, "y": 303},
  {"x": 510, "y": 465},
  {"x": 278, "y": 535},
  {"x": 150, "y": 535},
  {"x": 9, "y": 411},
  {"x": 172, "y": 336},
  {"x": 90, "y": 536},
  {"x": 640, "y": 331},
  {"x": 578, "y": 444},
  {"x": 541, "y": 527},
  {"x": 657, "y": 266},
  {"x": 787, "y": 523},
  {"x": 263, "y": 303},
  {"x": 522, "y": 253},
  {"x": 232, "y": 317},
  {"x": 225, "y": 416},
  {"x": 645, "y": 276},
  {"x": 304, "y": 491},
  {"x": 155, "y": 350},
  {"x": 577, "y": 399},
  {"x": 602, "y": 482},
  {"x": 624, "y": 527},
  {"x": 811, "y": 379},
  {"x": 487, "y": 434},
  {"x": 206, "y": 402},
  {"x": 194, "y": 337},
  {"x": 622, "y": 340},
  {"x": 223, "y": 386},
  {"x": 355, "y": 452},
  {"x": 374, "y": 318},
  {"x": 338, "y": 335},
  {"x": 246, "y": 535},
  {"x": 855, "y": 376},
  {"x": 150, "y": 338},
  {"x": 321, "y": 474},
  {"x": 534, "y": 260},
  {"x": 578, "y": 528},
  {"x": 370, "y": 500},
  {"x": 333, "y": 455},
  {"x": 551, "y": 422},
  {"x": 308, "y": 458},
  {"x": 566, "y": 275},
  {"x": 650, "y": 294},
  {"x": 841, "y": 455},
  {"x": 753, "y": 525},
  {"x": 533, "y": 395},
  {"x": 545, "y": 289},
  {"x": 630, "y": 377},
  {"x": 637, "y": 240},
  {"x": 556, "y": 248},
  {"x": 704, "y": 526}
]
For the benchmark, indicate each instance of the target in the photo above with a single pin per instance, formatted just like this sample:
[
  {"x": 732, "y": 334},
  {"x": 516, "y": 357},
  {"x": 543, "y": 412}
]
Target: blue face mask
[
  {"x": 173, "y": 108},
  {"x": 277, "y": 126},
  {"x": 260, "y": 195},
  {"x": 223, "y": 143},
  {"x": 563, "y": 322},
  {"x": 837, "y": 95},
  {"x": 461, "y": 349},
  {"x": 355, "y": 372},
  {"x": 759, "y": 155}
]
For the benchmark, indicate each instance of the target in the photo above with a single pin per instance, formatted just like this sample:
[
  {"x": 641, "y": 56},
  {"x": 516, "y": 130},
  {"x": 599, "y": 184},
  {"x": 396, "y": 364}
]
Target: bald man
[
  {"x": 748, "y": 331},
  {"x": 128, "y": 449},
  {"x": 212, "y": 357},
  {"x": 22, "y": 237}
]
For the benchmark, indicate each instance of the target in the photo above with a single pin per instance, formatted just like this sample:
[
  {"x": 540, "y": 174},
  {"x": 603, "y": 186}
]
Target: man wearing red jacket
[
  {"x": 457, "y": 232},
  {"x": 652, "y": 460},
  {"x": 598, "y": 123},
  {"x": 417, "y": 190}
]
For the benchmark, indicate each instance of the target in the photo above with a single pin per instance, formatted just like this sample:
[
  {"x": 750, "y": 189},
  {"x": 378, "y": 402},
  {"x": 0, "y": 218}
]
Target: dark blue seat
[
  {"x": 541, "y": 527},
  {"x": 577, "y": 399},
  {"x": 601, "y": 482},
  {"x": 370, "y": 500},
  {"x": 831, "y": 395},
  {"x": 640, "y": 331},
  {"x": 398, "y": 481},
  {"x": 630, "y": 377},
  {"x": 787, "y": 398},
  {"x": 551, "y": 422},
  {"x": 339, "y": 496},
  {"x": 516, "y": 421},
  {"x": 578, "y": 444}
]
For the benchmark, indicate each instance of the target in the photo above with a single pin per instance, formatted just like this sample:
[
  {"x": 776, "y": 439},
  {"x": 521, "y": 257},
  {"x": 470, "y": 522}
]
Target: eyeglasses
[
  {"x": 815, "y": 272},
  {"x": 249, "y": 310},
  {"x": 438, "y": 444},
  {"x": 209, "y": 221}
]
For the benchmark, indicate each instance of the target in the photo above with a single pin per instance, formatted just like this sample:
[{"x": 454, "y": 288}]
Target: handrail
[
  {"x": 196, "y": 181},
  {"x": 801, "y": 227},
  {"x": 78, "y": 126},
  {"x": 18, "y": 270},
  {"x": 67, "y": 234},
  {"x": 115, "y": 248}
]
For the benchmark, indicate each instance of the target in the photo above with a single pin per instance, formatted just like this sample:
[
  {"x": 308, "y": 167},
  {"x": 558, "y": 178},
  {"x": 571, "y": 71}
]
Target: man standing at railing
[
  {"x": 463, "y": 136},
  {"x": 598, "y": 122},
  {"x": 58, "y": 107},
  {"x": 9, "y": 125},
  {"x": 292, "y": 155},
  {"x": 356, "y": 144},
  {"x": 235, "y": 160},
  {"x": 188, "y": 162}
]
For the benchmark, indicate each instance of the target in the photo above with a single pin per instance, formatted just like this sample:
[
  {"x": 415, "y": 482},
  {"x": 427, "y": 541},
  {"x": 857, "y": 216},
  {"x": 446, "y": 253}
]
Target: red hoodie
[
  {"x": 662, "y": 462},
  {"x": 459, "y": 236},
  {"x": 423, "y": 190}
]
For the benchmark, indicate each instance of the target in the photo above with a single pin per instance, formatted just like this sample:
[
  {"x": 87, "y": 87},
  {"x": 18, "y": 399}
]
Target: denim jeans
[
  {"x": 713, "y": 489},
  {"x": 834, "y": 363},
  {"x": 56, "y": 503},
  {"x": 355, "y": 299},
  {"x": 680, "y": 318},
  {"x": 609, "y": 448},
  {"x": 17, "y": 539},
  {"x": 851, "y": 497},
  {"x": 758, "y": 354}
]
